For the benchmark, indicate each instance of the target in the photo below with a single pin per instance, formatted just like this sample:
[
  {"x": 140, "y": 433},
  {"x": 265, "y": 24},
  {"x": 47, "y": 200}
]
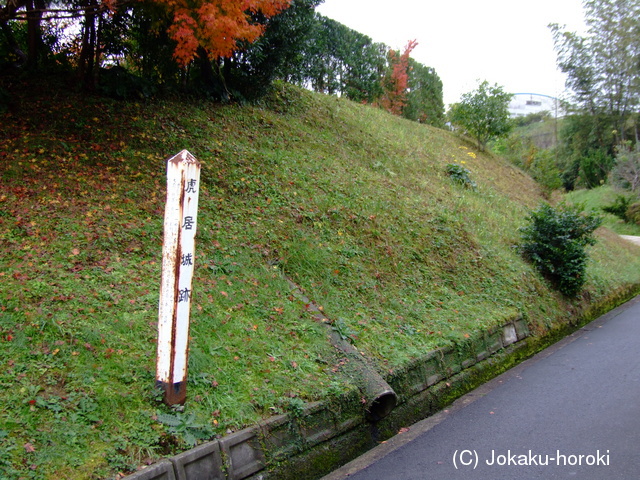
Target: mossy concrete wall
[{"x": 326, "y": 435}]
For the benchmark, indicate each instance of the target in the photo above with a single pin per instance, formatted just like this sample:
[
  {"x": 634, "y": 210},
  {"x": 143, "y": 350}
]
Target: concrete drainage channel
[{"x": 328, "y": 434}]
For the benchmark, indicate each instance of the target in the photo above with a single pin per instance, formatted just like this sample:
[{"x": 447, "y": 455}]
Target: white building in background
[{"x": 523, "y": 104}]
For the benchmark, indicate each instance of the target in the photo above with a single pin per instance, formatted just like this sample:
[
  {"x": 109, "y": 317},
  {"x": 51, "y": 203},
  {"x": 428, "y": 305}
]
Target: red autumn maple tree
[
  {"x": 395, "y": 83},
  {"x": 216, "y": 25}
]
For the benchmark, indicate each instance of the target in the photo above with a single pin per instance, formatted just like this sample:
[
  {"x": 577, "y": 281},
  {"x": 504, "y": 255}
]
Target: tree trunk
[
  {"x": 213, "y": 82},
  {"x": 206, "y": 69},
  {"x": 34, "y": 33},
  {"x": 98, "y": 50},
  {"x": 86, "y": 61}
]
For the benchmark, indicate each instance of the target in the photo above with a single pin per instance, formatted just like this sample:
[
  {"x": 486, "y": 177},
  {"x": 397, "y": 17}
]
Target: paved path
[
  {"x": 631, "y": 238},
  {"x": 571, "y": 412}
]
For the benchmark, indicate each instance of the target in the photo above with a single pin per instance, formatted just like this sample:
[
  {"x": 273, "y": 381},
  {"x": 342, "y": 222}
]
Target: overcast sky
[{"x": 507, "y": 42}]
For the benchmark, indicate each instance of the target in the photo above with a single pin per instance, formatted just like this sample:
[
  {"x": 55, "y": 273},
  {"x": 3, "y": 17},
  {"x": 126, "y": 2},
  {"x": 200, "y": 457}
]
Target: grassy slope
[
  {"x": 599, "y": 197},
  {"x": 349, "y": 202}
]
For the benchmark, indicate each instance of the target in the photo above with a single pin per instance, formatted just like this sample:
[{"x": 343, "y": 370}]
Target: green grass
[
  {"x": 597, "y": 198},
  {"x": 353, "y": 205}
]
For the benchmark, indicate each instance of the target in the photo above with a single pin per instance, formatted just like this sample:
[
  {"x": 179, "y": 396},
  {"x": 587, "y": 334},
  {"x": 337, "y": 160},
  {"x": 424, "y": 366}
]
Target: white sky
[{"x": 503, "y": 41}]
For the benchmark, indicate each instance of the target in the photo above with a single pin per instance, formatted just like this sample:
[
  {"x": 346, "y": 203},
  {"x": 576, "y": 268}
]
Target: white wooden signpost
[{"x": 183, "y": 186}]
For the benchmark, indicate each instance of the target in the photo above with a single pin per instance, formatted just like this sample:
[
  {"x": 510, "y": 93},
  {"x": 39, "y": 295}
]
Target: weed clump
[
  {"x": 555, "y": 241},
  {"x": 461, "y": 175}
]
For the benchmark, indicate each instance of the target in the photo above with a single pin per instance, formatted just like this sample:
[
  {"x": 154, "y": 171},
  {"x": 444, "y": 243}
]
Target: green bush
[
  {"x": 555, "y": 241},
  {"x": 117, "y": 82},
  {"x": 619, "y": 207},
  {"x": 633, "y": 213},
  {"x": 545, "y": 172},
  {"x": 595, "y": 167}
]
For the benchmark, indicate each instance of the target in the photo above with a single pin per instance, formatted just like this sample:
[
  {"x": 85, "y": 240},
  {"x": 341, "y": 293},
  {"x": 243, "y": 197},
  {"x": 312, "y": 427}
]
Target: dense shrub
[
  {"x": 595, "y": 167},
  {"x": 633, "y": 213},
  {"x": 619, "y": 207},
  {"x": 545, "y": 172},
  {"x": 117, "y": 82},
  {"x": 555, "y": 241}
]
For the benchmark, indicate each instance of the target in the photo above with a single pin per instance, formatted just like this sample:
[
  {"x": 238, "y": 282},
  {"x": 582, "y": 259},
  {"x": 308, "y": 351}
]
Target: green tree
[
  {"x": 483, "y": 113},
  {"x": 251, "y": 70},
  {"x": 200, "y": 33},
  {"x": 626, "y": 173},
  {"x": 337, "y": 60},
  {"x": 545, "y": 172},
  {"x": 364, "y": 62},
  {"x": 424, "y": 98},
  {"x": 603, "y": 72},
  {"x": 580, "y": 136},
  {"x": 340, "y": 61}
]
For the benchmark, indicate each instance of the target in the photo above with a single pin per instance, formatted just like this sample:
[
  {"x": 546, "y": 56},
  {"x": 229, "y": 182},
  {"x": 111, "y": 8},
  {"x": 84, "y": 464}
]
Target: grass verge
[{"x": 604, "y": 196}]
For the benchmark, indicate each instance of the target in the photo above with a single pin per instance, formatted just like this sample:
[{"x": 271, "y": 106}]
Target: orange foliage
[
  {"x": 110, "y": 5},
  {"x": 216, "y": 25},
  {"x": 395, "y": 83}
]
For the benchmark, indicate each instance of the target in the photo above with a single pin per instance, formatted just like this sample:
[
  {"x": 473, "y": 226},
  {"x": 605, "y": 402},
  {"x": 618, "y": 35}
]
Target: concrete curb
[{"x": 329, "y": 434}]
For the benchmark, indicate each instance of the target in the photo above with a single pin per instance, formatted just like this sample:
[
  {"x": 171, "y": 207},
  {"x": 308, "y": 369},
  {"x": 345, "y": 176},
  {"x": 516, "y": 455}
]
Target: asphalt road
[{"x": 571, "y": 412}]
